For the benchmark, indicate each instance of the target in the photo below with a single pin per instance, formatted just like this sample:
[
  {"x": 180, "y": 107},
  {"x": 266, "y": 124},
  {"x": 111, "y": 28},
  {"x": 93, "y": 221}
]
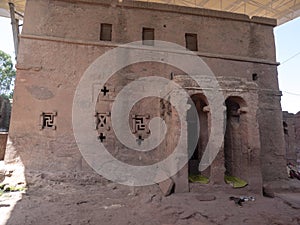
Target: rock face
[
  {"x": 56, "y": 51},
  {"x": 5, "y": 109},
  {"x": 2, "y": 172},
  {"x": 291, "y": 127},
  {"x": 2, "y": 175}
]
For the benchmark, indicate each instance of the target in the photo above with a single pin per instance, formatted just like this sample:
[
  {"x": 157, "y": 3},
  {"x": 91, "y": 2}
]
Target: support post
[{"x": 15, "y": 27}]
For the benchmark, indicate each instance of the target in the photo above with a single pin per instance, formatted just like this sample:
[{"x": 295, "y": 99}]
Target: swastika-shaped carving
[
  {"x": 140, "y": 123},
  {"x": 48, "y": 120}
]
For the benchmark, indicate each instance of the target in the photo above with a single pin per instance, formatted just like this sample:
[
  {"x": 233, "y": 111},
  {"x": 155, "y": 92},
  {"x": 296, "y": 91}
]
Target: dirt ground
[{"x": 64, "y": 199}]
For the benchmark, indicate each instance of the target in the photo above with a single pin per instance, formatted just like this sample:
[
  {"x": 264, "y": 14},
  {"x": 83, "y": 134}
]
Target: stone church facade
[
  {"x": 61, "y": 39},
  {"x": 291, "y": 127}
]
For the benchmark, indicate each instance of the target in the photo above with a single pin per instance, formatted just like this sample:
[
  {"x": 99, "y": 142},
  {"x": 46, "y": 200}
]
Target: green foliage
[
  {"x": 7, "y": 75},
  {"x": 6, "y": 188}
]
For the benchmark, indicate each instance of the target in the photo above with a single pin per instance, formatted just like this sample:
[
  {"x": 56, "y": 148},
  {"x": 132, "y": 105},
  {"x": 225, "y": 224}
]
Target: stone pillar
[
  {"x": 251, "y": 154},
  {"x": 273, "y": 162},
  {"x": 217, "y": 168},
  {"x": 181, "y": 179}
]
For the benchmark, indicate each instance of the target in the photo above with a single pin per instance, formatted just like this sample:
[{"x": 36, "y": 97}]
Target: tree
[{"x": 7, "y": 75}]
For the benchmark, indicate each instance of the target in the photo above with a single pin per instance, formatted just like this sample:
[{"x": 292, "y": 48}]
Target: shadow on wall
[
  {"x": 235, "y": 140},
  {"x": 5, "y": 111}
]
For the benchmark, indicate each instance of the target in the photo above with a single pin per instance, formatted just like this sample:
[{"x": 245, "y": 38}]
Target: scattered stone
[
  {"x": 112, "y": 186},
  {"x": 206, "y": 197},
  {"x": 133, "y": 191},
  {"x": 166, "y": 186},
  {"x": 157, "y": 199},
  {"x": 114, "y": 206},
  {"x": 81, "y": 202},
  {"x": 4, "y": 205},
  {"x": 187, "y": 214},
  {"x": 272, "y": 188},
  {"x": 268, "y": 192},
  {"x": 291, "y": 199},
  {"x": 9, "y": 173},
  {"x": 147, "y": 198}
]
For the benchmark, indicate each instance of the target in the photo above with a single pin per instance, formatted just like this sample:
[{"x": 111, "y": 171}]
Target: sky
[{"x": 287, "y": 39}]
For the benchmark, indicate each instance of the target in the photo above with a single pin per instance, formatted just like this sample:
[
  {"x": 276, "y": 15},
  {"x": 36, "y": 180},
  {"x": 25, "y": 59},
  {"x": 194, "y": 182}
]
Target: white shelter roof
[{"x": 282, "y": 10}]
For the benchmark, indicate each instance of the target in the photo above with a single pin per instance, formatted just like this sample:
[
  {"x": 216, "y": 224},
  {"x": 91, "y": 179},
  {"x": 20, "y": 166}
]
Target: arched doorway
[
  {"x": 201, "y": 105},
  {"x": 235, "y": 142}
]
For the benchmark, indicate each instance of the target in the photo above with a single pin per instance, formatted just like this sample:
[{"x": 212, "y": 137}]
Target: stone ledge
[
  {"x": 271, "y": 189},
  {"x": 264, "y": 20},
  {"x": 113, "y": 45},
  {"x": 179, "y": 9}
]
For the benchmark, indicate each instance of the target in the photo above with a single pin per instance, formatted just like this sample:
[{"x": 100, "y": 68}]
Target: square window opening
[
  {"x": 106, "y": 32},
  {"x": 254, "y": 76},
  {"x": 191, "y": 42},
  {"x": 148, "y": 36}
]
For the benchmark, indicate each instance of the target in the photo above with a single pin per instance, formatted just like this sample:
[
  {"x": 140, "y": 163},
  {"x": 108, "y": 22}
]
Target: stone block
[{"x": 166, "y": 186}]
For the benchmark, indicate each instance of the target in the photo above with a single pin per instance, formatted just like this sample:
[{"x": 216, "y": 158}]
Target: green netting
[
  {"x": 198, "y": 179},
  {"x": 235, "y": 181}
]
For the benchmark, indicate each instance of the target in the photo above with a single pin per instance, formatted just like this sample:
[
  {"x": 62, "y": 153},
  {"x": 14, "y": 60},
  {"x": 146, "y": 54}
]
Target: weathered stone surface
[
  {"x": 292, "y": 199},
  {"x": 2, "y": 172},
  {"x": 41, "y": 93},
  {"x": 268, "y": 191},
  {"x": 291, "y": 128},
  {"x": 166, "y": 186},
  {"x": 2, "y": 176},
  {"x": 288, "y": 186}
]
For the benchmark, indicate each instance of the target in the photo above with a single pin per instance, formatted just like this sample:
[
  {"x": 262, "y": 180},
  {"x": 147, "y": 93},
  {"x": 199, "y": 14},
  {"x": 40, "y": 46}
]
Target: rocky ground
[{"x": 73, "y": 200}]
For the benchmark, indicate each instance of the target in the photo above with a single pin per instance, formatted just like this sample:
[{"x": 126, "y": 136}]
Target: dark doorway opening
[
  {"x": 201, "y": 105},
  {"x": 235, "y": 142}
]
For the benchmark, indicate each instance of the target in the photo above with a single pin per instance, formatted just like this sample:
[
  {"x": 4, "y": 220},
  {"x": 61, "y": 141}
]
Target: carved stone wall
[
  {"x": 291, "y": 129},
  {"x": 61, "y": 39}
]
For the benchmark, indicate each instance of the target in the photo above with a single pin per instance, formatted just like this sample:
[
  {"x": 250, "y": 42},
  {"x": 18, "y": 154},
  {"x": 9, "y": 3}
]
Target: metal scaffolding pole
[{"x": 15, "y": 27}]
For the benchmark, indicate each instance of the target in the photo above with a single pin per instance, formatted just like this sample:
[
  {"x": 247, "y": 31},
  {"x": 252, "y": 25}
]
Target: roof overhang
[
  {"x": 19, "y": 7},
  {"x": 282, "y": 10}
]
